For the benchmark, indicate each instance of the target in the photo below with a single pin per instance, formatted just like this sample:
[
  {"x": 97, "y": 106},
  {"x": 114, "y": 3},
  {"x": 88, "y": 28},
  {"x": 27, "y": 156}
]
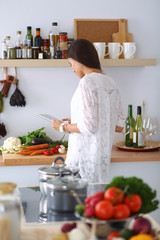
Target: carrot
[
  {"x": 30, "y": 152},
  {"x": 37, "y": 147},
  {"x": 37, "y": 152},
  {"x": 25, "y": 152}
]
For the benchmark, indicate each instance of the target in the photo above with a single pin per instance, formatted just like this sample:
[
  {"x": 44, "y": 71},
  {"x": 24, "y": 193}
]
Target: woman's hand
[{"x": 56, "y": 124}]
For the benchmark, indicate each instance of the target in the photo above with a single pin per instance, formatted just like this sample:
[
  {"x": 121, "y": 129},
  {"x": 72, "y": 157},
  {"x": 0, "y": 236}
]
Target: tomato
[
  {"x": 56, "y": 151},
  {"x": 114, "y": 195},
  {"x": 104, "y": 210},
  {"x": 46, "y": 153},
  {"x": 51, "y": 152},
  {"x": 98, "y": 196},
  {"x": 112, "y": 235},
  {"x": 52, "y": 149},
  {"x": 93, "y": 202},
  {"x": 121, "y": 211},
  {"x": 57, "y": 146},
  {"x": 134, "y": 202}
]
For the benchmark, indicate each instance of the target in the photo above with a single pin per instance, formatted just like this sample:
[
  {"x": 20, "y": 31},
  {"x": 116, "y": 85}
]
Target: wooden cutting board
[
  {"x": 122, "y": 35},
  {"x": 20, "y": 160}
]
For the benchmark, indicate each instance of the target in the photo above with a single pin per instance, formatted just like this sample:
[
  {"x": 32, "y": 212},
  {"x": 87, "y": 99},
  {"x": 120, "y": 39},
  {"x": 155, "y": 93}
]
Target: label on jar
[{"x": 63, "y": 46}]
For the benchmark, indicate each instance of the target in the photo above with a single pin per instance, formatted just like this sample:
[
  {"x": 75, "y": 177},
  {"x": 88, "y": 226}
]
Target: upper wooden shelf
[{"x": 64, "y": 62}]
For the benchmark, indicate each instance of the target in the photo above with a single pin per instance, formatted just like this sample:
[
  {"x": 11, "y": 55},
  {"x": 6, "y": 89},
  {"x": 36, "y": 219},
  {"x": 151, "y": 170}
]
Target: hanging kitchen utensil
[
  {"x": 48, "y": 172},
  {"x": 1, "y": 103},
  {"x": 17, "y": 98},
  {"x": 6, "y": 83},
  {"x": 3, "y": 131}
]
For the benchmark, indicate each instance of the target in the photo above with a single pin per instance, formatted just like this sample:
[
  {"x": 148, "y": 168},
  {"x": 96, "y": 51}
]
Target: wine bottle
[
  {"x": 38, "y": 39},
  {"x": 129, "y": 127},
  {"x": 29, "y": 37},
  {"x": 139, "y": 134}
]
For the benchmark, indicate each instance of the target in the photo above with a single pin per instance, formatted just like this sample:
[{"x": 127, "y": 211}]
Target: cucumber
[{"x": 37, "y": 141}]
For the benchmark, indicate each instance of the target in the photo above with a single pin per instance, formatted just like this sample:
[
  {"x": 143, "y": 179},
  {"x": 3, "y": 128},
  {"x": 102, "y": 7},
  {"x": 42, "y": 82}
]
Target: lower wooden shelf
[{"x": 64, "y": 62}]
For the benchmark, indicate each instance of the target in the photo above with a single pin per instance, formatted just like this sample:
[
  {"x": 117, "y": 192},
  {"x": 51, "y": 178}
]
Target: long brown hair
[{"x": 83, "y": 51}]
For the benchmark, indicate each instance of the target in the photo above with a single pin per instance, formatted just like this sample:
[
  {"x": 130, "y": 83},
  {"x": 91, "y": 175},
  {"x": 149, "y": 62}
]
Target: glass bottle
[
  {"x": 18, "y": 39},
  {"x": 4, "y": 49},
  {"x": 18, "y": 45},
  {"x": 54, "y": 34},
  {"x": 63, "y": 43},
  {"x": 29, "y": 37},
  {"x": 129, "y": 127},
  {"x": 51, "y": 49},
  {"x": 8, "y": 41},
  {"x": 139, "y": 134},
  {"x": 38, "y": 39}
]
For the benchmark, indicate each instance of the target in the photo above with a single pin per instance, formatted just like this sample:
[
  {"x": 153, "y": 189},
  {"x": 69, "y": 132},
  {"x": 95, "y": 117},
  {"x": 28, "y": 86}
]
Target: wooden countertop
[{"x": 116, "y": 156}]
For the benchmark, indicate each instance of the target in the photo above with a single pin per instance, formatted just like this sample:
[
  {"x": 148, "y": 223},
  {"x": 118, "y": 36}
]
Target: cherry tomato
[
  {"x": 57, "y": 146},
  {"x": 134, "y": 202},
  {"x": 56, "y": 151},
  {"x": 46, "y": 153},
  {"x": 52, "y": 149},
  {"x": 112, "y": 235},
  {"x": 104, "y": 210},
  {"x": 114, "y": 195},
  {"x": 51, "y": 152},
  {"x": 121, "y": 211}
]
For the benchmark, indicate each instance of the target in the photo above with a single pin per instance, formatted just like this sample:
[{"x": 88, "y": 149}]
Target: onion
[{"x": 142, "y": 225}]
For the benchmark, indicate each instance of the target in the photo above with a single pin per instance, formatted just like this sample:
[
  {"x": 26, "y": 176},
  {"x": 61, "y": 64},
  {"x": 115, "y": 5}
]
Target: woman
[{"x": 96, "y": 113}]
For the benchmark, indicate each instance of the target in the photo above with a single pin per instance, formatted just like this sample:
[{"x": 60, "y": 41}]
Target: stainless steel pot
[
  {"x": 63, "y": 192},
  {"x": 49, "y": 172}
]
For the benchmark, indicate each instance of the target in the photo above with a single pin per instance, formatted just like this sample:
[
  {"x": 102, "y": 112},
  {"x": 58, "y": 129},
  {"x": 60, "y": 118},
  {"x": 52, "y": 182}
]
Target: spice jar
[
  {"x": 11, "y": 53},
  {"x": 9, "y": 211},
  {"x": 29, "y": 52},
  {"x": 35, "y": 52},
  {"x": 46, "y": 48},
  {"x": 70, "y": 40},
  {"x": 18, "y": 52},
  {"x": 63, "y": 43}
]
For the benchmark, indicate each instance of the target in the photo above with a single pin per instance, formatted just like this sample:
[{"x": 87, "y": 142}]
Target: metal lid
[
  {"x": 56, "y": 169},
  {"x": 66, "y": 183}
]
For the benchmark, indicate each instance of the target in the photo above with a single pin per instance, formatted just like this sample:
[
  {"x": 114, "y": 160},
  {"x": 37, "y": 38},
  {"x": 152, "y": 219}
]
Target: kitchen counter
[
  {"x": 116, "y": 156},
  {"x": 145, "y": 165}
]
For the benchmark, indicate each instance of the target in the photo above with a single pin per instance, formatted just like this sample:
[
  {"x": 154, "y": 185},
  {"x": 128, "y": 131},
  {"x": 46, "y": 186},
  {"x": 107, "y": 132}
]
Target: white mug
[
  {"x": 101, "y": 49},
  {"x": 129, "y": 50},
  {"x": 115, "y": 49}
]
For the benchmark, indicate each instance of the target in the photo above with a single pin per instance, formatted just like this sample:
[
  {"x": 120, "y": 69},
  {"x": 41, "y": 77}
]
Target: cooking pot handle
[
  {"x": 56, "y": 159},
  {"x": 65, "y": 171}
]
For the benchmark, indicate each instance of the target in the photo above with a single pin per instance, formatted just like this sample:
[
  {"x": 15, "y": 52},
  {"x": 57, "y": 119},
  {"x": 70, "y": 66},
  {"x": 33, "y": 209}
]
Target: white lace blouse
[{"x": 96, "y": 108}]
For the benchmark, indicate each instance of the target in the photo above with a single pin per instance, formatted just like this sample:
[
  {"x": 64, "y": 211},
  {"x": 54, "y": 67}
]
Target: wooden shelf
[{"x": 64, "y": 62}]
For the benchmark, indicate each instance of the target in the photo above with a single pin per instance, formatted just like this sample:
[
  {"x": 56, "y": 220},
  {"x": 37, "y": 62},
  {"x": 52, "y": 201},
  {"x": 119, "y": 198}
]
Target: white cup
[
  {"x": 101, "y": 49},
  {"x": 115, "y": 50},
  {"x": 129, "y": 50}
]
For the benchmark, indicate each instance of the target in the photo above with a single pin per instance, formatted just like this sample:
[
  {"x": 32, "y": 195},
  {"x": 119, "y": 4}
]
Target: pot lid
[
  {"x": 56, "y": 169},
  {"x": 66, "y": 183}
]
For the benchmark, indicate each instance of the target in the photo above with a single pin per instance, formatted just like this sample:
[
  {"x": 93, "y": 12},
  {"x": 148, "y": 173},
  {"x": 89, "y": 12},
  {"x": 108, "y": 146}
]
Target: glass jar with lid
[
  {"x": 9, "y": 211},
  {"x": 11, "y": 53},
  {"x": 63, "y": 43}
]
